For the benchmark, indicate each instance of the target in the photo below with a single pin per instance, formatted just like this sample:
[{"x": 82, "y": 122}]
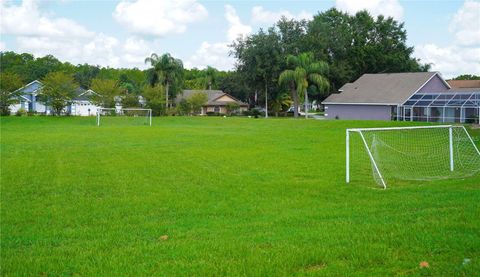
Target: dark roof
[
  {"x": 212, "y": 96},
  {"x": 83, "y": 94},
  {"x": 385, "y": 88},
  {"x": 464, "y": 83}
]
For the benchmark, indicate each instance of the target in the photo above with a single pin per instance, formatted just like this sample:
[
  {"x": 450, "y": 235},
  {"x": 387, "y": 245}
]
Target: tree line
[
  {"x": 157, "y": 86},
  {"x": 291, "y": 62}
]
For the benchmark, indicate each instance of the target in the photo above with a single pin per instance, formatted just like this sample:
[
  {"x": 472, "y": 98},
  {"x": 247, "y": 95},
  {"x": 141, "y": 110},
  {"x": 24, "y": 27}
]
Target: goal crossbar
[
  {"x": 374, "y": 162},
  {"x": 402, "y": 128},
  {"x": 99, "y": 110}
]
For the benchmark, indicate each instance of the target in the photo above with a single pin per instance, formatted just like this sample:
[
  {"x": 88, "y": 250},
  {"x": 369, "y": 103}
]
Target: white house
[{"x": 81, "y": 104}]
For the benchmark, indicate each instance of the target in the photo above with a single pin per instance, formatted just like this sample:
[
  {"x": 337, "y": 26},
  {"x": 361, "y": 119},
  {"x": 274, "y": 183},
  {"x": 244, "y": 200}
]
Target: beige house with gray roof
[{"x": 216, "y": 103}]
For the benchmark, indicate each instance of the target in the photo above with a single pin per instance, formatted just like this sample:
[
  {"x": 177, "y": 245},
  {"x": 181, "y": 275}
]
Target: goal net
[
  {"x": 410, "y": 153},
  {"x": 130, "y": 116}
]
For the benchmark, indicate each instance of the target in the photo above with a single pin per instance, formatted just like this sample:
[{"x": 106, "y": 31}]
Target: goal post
[
  {"x": 411, "y": 153},
  {"x": 127, "y": 116}
]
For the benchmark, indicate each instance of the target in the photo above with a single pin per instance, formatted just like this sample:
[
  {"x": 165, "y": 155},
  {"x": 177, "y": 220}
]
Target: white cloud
[
  {"x": 236, "y": 27},
  {"x": 101, "y": 50},
  {"x": 41, "y": 34},
  {"x": 217, "y": 54},
  {"x": 466, "y": 24},
  {"x": 451, "y": 61},
  {"x": 158, "y": 18},
  {"x": 260, "y": 15},
  {"x": 3, "y": 46},
  {"x": 374, "y": 7},
  {"x": 213, "y": 54},
  {"x": 462, "y": 56},
  {"x": 26, "y": 20},
  {"x": 135, "y": 51}
]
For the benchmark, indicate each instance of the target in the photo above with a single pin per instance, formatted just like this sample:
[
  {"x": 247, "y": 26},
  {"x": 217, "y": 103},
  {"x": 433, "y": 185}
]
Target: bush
[
  {"x": 172, "y": 111},
  {"x": 472, "y": 120},
  {"x": 215, "y": 114},
  {"x": 246, "y": 113},
  {"x": 232, "y": 108},
  {"x": 184, "y": 107},
  {"x": 255, "y": 113},
  {"x": 285, "y": 114},
  {"x": 21, "y": 112}
]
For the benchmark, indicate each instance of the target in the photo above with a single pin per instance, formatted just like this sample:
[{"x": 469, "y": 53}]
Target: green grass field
[{"x": 235, "y": 196}]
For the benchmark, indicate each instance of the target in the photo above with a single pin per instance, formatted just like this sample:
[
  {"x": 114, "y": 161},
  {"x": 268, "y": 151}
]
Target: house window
[{"x": 216, "y": 109}]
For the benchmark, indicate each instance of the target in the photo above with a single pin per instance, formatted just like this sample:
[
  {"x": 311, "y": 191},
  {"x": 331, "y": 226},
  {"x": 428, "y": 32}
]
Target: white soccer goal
[
  {"x": 130, "y": 116},
  {"x": 410, "y": 153}
]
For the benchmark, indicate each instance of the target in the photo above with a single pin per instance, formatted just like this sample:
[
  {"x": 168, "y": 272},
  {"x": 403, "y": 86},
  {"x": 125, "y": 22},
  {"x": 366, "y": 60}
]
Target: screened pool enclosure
[{"x": 458, "y": 106}]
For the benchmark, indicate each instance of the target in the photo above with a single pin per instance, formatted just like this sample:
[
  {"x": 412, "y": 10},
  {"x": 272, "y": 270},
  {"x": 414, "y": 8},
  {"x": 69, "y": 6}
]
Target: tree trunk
[
  {"x": 306, "y": 104},
  {"x": 58, "y": 110},
  {"x": 294, "y": 94},
  {"x": 166, "y": 97}
]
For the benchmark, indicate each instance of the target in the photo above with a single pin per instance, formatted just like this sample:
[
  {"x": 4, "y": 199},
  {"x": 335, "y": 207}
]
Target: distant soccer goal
[
  {"x": 410, "y": 153},
  {"x": 130, "y": 116}
]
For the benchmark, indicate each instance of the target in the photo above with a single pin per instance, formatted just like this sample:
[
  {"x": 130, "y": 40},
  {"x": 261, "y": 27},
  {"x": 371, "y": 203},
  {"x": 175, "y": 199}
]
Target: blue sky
[{"x": 122, "y": 33}]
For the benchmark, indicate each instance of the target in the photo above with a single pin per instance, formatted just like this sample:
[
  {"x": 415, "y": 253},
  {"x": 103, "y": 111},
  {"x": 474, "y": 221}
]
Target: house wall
[
  {"x": 366, "y": 112},
  {"x": 223, "y": 110},
  {"x": 225, "y": 98},
  {"x": 38, "y": 107},
  {"x": 212, "y": 109},
  {"x": 14, "y": 108},
  {"x": 41, "y": 108},
  {"x": 434, "y": 85},
  {"x": 81, "y": 108}
]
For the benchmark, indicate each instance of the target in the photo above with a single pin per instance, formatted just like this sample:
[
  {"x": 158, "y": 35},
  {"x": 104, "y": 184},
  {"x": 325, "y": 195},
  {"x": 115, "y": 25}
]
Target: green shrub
[
  {"x": 255, "y": 113},
  {"x": 472, "y": 120},
  {"x": 171, "y": 111},
  {"x": 21, "y": 112},
  {"x": 246, "y": 113}
]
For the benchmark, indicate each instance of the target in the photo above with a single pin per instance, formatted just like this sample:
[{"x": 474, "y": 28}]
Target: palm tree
[
  {"x": 168, "y": 71},
  {"x": 305, "y": 71}
]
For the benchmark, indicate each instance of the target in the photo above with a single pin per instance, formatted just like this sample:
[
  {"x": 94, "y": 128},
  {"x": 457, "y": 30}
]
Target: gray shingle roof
[
  {"x": 82, "y": 94},
  {"x": 385, "y": 88}
]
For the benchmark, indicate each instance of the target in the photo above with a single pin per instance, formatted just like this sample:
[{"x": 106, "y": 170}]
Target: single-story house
[
  {"x": 416, "y": 96},
  {"x": 81, "y": 104},
  {"x": 217, "y": 101}
]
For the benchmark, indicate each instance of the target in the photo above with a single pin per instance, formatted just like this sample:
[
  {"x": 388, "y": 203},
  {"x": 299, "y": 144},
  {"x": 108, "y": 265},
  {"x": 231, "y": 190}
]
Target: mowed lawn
[{"x": 235, "y": 196}]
